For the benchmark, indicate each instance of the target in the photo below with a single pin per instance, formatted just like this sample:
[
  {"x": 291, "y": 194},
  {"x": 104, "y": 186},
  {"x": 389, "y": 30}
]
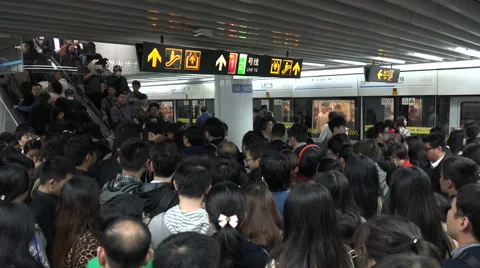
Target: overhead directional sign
[
  {"x": 176, "y": 59},
  {"x": 379, "y": 74}
]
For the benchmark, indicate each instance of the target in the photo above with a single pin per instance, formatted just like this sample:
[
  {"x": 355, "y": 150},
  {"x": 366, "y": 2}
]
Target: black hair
[
  {"x": 227, "y": 199},
  {"x": 135, "y": 83},
  {"x": 292, "y": 158},
  {"x": 264, "y": 121},
  {"x": 204, "y": 109},
  {"x": 77, "y": 148},
  {"x": 56, "y": 86},
  {"x": 22, "y": 160},
  {"x": 460, "y": 171},
  {"x": 14, "y": 181},
  {"x": 386, "y": 235},
  {"x": 362, "y": 175},
  {"x": 369, "y": 148},
  {"x": 379, "y": 128},
  {"x": 23, "y": 130},
  {"x": 53, "y": 147},
  {"x": 299, "y": 132},
  {"x": 193, "y": 176},
  {"x": 249, "y": 138},
  {"x": 18, "y": 228},
  {"x": 153, "y": 104},
  {"x": 339, "y": 187},
  {"x": 308, "y": 162},
  {"x": 443, "y": 205},
  {"x": 143, "y": 97},
  {"x": 348, "y": 224},
  {"x": 69, "y": 92},
  {"x": 398, "y": 150},
  {"x": 154, "y": 128},
  {"x": 194, "y": 135},
  {"x": 57, "y": 168},
  {"x": 439, "y": 131},
  {"x": 472, "y": 132},
  {"x": 125, "y": 131},
  {"x": 337, "y": 121},
  {"x": 215, "y": 127},
  {"x": 390, "y": 123},
  {"x": 8, "y": 138},
  {"x": 415, "y": 151},
  {"x": 340, "y": 146},
  {"x": 468, "y": 206},
  {"x": 455, "y": 141},
  {"x": 407, "y": 261},
  {"x": 435, "y": 140},
  {"x": 328, "y": 164},
  {"x": 188, "y": 249},
  {"x": 228, "y": 169},
  {"x": 258, "y": 148},
  {"x": 411, "y": 196},
  {"x": 118, "y": 93},
  {"x": 165, "y": 157},
  {"x": 472, "y": 151},
  {"x": 332, "y": 115},
  {"x": 399, "y": 121},
  {"x": 310, "y": 239},
  {"x": 370, "y": 133},
  {"x": 276, "y": 172},
  {"x": 468, "y": 123},
  {"x": 32, "y": 145},
  {"x": 278, "y": 130},
  {"x": 126, "y": 243},
  {"x": 134, "y": 154}
]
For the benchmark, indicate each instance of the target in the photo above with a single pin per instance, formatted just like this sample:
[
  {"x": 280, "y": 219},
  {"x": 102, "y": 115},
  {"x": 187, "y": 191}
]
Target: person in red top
[{"x": 399, "y": 153}]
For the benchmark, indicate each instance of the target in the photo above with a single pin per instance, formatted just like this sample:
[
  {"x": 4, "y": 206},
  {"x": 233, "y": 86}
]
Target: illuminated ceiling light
[
  {"x": 242, "y": 37},
  {"x": 154, "y": 25},
  {"x": 219, "y": 22},
  {"x": 153, "y": 11},
  {"x": 152, "y": 18},
  {"x": 313, "y": 64},
  {"x": 350, "y": 62},
  {"x": 426, "y": 56},
  {"x": 388, "y": 60},
  {"x": 466, "y": 51}
]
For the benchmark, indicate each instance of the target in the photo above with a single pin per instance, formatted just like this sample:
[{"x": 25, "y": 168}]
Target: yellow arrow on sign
[
  {"x": 154, "y": 56},
  {"x": 296, "y": 68},
  {"x": 380, "y": 74}
]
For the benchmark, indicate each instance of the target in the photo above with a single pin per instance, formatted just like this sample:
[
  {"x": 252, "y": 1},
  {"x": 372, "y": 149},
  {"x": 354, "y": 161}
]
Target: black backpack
[
  {"x": 110, "y": 191},
  {"x": 158, "y": 200}
]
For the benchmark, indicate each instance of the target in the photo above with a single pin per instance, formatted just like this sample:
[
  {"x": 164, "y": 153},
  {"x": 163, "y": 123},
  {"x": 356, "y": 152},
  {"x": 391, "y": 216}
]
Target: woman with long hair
[
  {"x": 456, "y": 141},
  {"x": 311, "y": 238},
  {"x": 416, "y": 155},
  {"x": 362, "y": 176},
  {"x": 401, "y": 126},
  {"x": 226, "y": 207},
  {"x": 411, "y": 196},
  {"x": 263, "y": 223},
  {"x": 386, "y": 235},
  {"x": 77, "y": 223}
]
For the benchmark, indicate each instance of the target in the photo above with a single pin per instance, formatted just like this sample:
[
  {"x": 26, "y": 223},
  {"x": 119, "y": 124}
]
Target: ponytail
[
  {"x": 423, "y": 248},
  {"x": 232, "y": 245}
]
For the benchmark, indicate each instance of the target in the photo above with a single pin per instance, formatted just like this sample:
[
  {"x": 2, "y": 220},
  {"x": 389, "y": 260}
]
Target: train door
[
  {"x": 281, "y": 108},
  {"x": 166, "y": 108},
  {"x": 462, "y": 109},
  {"x": 188, "y": 110}
]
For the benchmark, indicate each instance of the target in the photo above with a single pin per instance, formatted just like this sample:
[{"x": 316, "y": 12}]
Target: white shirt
[{"x": 436, "y": 163}]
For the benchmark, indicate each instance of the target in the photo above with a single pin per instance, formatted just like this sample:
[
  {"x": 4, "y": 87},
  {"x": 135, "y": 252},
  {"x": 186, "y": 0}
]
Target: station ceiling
[{"x": 329, "y": 32}]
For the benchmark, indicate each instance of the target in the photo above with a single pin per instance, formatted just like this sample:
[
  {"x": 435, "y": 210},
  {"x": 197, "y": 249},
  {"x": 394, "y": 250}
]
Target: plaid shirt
[{"x": 123, "y": 180}]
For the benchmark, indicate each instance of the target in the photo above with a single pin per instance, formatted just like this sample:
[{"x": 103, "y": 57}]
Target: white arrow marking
[{"x": 221, "y": 62}]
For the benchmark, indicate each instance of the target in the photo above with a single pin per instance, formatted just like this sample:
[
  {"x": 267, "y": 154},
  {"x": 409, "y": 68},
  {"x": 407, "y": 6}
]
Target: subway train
[{"x": 428, "y": 98}]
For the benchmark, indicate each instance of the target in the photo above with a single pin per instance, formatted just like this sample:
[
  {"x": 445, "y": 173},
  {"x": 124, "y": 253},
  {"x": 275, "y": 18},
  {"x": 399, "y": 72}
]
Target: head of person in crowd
[
  {"x": 339, "y": 148},
  {"x": 327, "y": 164},
  {"x": 368, "y": 148},
  {"x": 33, "y": 150},
  {"x": 267, "y": 125},
  {"x": 136, "y": 85},
  {"x": 339, "y": 187},
  {"x": 193, "y": 136},
  {"x": 297, "y": 135},
  {"x": 362, "y": 176},
  {"x": 398, "y": 153},
  {"x": 14, "y": 183},
  {"x": 111, "y": 91},
  {"x": 387, "y": 235},
  {"x": 381, "y": 132},
  {"x": 468, "y": 123},
  {"x": 188, "y": 249},
  {"x": 411, "y": 196},
  {"x": 248, "y": 139},
  {"x": 69, "y": 94},
  {"x": 54, "y": 173},
  {"x": 472, "y": 132},
  {"x": 472, "y": 151},
  {"x": 228, "y": 148},
  {"x": 337, "y": 124},
  {"x": 226, "y": 208},
  {"x": 81, "y": 150},
  {"x": 310, "y": 240},
  {"x": 8, "y": 138},
  {"x": 456, "y": 141},
  {"x": 213, "y": 129},
  {"x": 263, "y": 222},
  {"x": 332, "y": 115},
  {"x": 121, "y": 97},
  {"x": 52, "y": 148},
  {"x": 117, "y": 70},
  {"x": 125, "y": 243},
  {"x": 308, "y": 162},
  {"x": 276, "y": 172},
  {"x": 293, "y": 160},
  {"x": 278, "y": 131},
  {"x": 456, "y": 172},
  {"x": 400, "y": 122},
  {"x": 164, "y": 158},
  {"x": 123, "y": 132},
  {"x": 463, "y": 220},
  {"x": 254, "y": 153},
  {"x": 227, "y": 168},
  {"x": 416, "y": 154},
  {"x": 134, "y": 157},
  {"x": 143, "y": 100},
  {"x": 434, "y": 147},
  {"x": 439, "y": 131},
  {"x": 37, "y": 89},
  {"x": 18, "y": 228},
  {"x": 154, "y": 109},
  {"x": 78, "y": 211},
  {"x": 153, "y": 132},
  {"x": 408, "y": 261},
  {"x": 24, "y": 133},
  {"x": 193, "y": 177}
]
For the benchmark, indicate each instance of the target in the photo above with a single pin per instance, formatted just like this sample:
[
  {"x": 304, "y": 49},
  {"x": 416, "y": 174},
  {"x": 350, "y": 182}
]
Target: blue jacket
[
  {"x": 455, "y": 263},
  {"x": 202, "y": 118}
]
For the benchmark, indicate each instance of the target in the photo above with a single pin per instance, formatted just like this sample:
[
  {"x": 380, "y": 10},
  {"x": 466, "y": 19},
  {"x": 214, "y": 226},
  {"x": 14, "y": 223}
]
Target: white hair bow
[{"x": 224, "y": 220}]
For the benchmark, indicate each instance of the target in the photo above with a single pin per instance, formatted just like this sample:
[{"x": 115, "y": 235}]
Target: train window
[
  {"x": 183, "y": 110},
  {"x": 443, "y": 109},
  {"x": 302, "y": 109},
  {"x": 420, "y": 112},
  {"x": 282, "y": 110},
  {"x": 166, "y": 107},
  {"x": 378, "y": 109},
  {"x": 469, "y": 110}
]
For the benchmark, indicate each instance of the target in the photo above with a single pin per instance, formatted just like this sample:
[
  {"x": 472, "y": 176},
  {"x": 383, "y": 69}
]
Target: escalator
[{"x": 9, "y": 117}]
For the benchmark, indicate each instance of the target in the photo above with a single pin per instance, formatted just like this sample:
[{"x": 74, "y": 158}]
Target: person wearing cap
[
  {"x": 134, "y": 97},
  {"x": 117, "y": 81}
]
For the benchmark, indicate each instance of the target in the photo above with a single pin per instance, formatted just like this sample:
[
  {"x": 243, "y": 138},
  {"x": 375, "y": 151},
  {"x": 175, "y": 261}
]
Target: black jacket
[
  {"x": 434, "y": 174},
  {"x": 195, "y": 150},
  {"x": 40, "y": 117},
  {"x": 211, "y": 147},
  {"x": 108, "y": 171},
  {"x": 43, "y": 206},
  {"x": 255, "y": 175},
  {"x": 278, "y": 145},
  {"x": 457, "y": 263},
  {"x": 159, "y": 197}
]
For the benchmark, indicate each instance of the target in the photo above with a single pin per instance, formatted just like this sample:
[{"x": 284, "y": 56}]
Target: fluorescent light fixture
[
  {"x": 389, "y": 60},
  {"x": 313, "y": 64},
  {"x": 426, "y": 56},
  {"x": 350, "y": 62},
  {"x": 332, "y": 72},
  {"x": 466, "y": 51}
]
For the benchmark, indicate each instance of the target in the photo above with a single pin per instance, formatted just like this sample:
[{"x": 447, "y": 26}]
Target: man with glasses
[{"x": 434, "y": 147}]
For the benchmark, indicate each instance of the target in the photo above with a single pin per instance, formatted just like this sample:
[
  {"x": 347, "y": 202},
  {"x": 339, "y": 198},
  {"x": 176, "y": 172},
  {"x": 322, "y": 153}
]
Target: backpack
[
  {"x": 110, "y": 191},
  {"x": 159, "y": 205}
]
